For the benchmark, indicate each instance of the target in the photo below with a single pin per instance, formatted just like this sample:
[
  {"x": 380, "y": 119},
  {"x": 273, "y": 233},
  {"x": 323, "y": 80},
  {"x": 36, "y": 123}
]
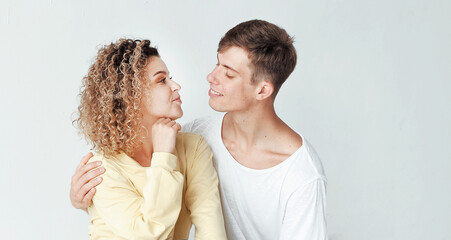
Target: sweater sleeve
[
  {"x": 305, "y": 213},
  {"x": 151, "y": 215},
  {"x": 202, "y": 194}
]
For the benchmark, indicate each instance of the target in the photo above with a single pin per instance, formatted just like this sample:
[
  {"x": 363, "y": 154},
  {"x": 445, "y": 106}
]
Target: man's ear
[{"x": 264, "y": 90}]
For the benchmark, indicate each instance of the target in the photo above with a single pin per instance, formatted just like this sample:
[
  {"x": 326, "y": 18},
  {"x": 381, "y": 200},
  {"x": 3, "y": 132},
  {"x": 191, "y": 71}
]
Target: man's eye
[{"x": 227, "y": 74}]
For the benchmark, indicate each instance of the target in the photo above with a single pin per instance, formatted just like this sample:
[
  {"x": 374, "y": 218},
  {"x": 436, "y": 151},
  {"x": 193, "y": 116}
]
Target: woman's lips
[{"x": 177, "y": 100}]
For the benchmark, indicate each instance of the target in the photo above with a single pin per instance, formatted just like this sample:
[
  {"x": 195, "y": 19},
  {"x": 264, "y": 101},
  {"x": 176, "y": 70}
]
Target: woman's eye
[{"x": 163, "y": 80}]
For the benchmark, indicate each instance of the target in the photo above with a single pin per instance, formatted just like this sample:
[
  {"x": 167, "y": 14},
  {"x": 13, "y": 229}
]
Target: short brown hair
[
  {"x": 109, "y": 113},
  {"x": 270, "y": 49}
]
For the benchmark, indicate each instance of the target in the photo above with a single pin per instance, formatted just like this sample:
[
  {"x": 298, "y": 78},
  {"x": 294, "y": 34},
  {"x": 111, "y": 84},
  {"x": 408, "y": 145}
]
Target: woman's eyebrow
[{"x": 164, "y": 72}]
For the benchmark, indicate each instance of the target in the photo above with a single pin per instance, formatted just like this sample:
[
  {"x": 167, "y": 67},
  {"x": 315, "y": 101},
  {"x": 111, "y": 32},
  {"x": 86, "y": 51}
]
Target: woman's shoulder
[
  {"x": 191, "y": 144},
  {"x": 112, "y": 163},
  {"x": 101, "y": 157},
  {"x": 189, "y": 138},
  {"x": 116, "y": 172}
]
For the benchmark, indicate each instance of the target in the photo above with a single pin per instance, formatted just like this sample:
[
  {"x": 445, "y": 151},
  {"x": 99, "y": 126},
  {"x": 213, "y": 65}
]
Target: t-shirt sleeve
[
  {"x": 151, "y": 215},
  {"x": 305, "y": 214},
  {"x": 202, "y": 194},
  {"x": 188, "y": 127},
  {"x": 199, "y": 125}
]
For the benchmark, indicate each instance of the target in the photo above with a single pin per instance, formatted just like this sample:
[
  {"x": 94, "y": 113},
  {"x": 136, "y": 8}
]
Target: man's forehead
[
  {"x": 233, "y": 50},
  {"x": 234, "y": 57}
]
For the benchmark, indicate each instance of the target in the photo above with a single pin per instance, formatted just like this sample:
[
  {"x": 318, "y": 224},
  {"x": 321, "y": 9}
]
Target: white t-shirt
[{"x": 287, "y": 201}]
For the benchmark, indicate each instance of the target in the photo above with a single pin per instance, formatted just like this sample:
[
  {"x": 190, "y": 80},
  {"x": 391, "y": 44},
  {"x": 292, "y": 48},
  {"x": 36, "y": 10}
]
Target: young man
[{"x": 272, "y": 183}]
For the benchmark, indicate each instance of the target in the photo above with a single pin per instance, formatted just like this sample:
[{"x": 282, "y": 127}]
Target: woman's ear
[{"x": 264, "y": 90}]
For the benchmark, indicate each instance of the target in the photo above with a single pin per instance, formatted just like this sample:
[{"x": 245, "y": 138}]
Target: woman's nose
[{"x": 175, "y": 86}]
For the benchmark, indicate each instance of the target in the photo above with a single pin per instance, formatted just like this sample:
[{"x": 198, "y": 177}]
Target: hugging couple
[{"x": 244, "y": 174}]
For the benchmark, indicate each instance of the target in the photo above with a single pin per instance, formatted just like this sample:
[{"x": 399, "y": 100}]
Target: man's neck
[
  {"x": 252, "y": 127},
  {"x": 258, "y": 138}
]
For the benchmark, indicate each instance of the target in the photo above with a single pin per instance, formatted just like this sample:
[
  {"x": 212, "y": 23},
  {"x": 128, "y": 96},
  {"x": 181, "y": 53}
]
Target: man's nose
[{"x": 211, "y": 77}]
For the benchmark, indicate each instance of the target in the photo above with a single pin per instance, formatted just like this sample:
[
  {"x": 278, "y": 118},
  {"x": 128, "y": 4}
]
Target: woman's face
[{"x": 161, "y": 97}]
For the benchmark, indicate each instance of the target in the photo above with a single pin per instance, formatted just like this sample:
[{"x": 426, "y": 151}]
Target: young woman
[{"x": 157, "y": 182}]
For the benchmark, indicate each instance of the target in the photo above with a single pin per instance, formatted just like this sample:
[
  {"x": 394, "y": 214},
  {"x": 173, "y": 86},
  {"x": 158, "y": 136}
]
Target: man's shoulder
[
  {"x": 201, "y": 125},
  {"x": 314, "y": 159},
  {"x": 305, "y": 166}
]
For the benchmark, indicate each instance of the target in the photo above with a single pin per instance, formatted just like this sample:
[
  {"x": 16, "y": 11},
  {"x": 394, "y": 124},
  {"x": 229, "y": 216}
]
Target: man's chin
[{"x": 216, "y": 107}]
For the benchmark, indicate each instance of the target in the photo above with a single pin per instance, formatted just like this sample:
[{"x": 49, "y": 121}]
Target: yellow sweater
[{"x": 161, "y": 201}]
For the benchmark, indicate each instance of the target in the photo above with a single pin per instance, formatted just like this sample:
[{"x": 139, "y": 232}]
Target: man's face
[{"x": 230, "y": 82}]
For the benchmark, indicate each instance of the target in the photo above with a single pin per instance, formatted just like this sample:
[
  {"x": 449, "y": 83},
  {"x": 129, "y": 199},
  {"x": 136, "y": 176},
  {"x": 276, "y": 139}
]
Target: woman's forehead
[{"x": 156, "y": 66}]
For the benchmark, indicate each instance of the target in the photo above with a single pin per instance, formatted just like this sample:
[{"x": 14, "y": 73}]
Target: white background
[{"x": 370, "y": 92}]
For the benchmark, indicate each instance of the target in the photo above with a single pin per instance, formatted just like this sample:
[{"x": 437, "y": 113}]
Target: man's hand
[{"x": 84, "y": 180}]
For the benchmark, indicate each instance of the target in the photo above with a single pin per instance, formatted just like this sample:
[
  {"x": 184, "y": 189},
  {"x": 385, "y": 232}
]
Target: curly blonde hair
[{"x": 109, "y": 113}]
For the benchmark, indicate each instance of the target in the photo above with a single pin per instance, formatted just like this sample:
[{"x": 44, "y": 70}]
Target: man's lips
[{"x": 212, "y": 92}]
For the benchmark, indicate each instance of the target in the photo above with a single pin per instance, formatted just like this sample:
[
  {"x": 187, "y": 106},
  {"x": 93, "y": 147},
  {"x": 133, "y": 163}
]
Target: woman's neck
[{"x": 143, "y": 154}]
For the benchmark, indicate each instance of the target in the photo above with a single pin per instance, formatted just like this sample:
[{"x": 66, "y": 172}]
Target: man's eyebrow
[{"x": 227, "y": 66}]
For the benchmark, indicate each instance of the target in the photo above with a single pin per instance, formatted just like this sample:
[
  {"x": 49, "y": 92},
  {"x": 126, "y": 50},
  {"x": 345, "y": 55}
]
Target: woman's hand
[
  {"x": 82, "y": 187},
  {"x": 164, "y": 132}
]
